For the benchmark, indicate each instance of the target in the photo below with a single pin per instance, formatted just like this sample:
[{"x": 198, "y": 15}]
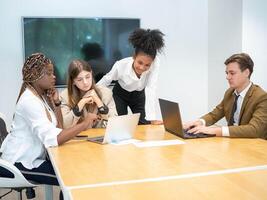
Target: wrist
[
  {"x": 57, "y": 103},
  {"x": 81, "y": 104},
  {"x": 76, "y": 111},
  {"x": 202, "y": 122},
  {"x": 98, "y": 102},
  {"x": 103, "y": 109}
]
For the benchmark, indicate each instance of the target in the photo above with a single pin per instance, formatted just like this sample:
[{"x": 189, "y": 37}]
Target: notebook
[
  {"x": 119, "y": 128},
  {"x": 172, "y": 120}
]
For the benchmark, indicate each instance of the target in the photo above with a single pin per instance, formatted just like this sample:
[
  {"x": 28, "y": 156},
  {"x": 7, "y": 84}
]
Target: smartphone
[{"x": 80, "y": 137}]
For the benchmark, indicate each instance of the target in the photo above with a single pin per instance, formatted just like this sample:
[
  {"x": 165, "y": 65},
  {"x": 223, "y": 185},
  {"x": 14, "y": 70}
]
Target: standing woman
[
  {"x": 37, "y": 122},
  {"x": 137, "y": 73},
  {"x": 82, "y": 97}
]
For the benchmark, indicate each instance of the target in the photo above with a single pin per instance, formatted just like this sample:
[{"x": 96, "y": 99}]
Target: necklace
[{"x": 47, "y": 107}]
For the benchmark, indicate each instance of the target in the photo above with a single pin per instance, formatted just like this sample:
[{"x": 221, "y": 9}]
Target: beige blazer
[
  {"x": 253, "y": 114},
  {"x": 69, "y": 119}
]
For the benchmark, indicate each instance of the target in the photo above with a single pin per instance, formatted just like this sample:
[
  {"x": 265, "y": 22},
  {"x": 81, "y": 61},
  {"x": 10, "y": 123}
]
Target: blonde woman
[{"x": 82, "y": 97}]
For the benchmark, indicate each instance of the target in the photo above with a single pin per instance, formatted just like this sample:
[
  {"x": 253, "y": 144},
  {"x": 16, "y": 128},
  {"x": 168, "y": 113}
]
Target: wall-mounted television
[{"x": 100, "y": 41}]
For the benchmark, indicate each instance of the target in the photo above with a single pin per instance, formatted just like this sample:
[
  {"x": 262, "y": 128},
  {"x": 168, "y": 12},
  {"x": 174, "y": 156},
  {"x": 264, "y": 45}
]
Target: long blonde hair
[{"x": 75, "y": 68}]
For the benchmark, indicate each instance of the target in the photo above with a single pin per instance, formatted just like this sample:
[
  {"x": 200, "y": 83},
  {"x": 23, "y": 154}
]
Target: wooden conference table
[{"x": 208, "y": 168}]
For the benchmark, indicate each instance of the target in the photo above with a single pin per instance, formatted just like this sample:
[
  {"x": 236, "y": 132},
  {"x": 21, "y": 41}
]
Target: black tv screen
[{"x": 100, "y": 41}]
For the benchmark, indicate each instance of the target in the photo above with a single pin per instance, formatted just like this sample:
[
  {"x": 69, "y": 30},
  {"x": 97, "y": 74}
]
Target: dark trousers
[
  {"x": 135, "y": 100},
  {"x": 44, "y": 174}
]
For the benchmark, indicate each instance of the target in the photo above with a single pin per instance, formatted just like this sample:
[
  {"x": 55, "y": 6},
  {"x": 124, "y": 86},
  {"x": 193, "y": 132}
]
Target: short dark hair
[
  {"x": 244, "y": 61},
  {"x": 147, "y": 41}
]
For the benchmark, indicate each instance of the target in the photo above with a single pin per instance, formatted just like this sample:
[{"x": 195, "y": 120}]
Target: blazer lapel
[
  {"x": 229, "y": 106},
  {"x": 245, "y": 101}
]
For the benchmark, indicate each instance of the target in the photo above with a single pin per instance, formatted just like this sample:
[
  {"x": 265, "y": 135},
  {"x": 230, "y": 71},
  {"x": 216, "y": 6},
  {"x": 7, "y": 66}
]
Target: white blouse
[
  {"x": 123, "y": 72},
  {"x": 31, "y": 132}
]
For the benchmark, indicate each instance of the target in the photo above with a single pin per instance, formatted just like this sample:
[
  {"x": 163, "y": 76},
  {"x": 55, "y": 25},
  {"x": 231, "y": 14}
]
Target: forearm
[
  {"x": 69, "y": 118},
  {"x": 217, "y": 131},
  {"x": 109, "y": 77},
  {"x": 59, "y": 116},
  {"x": 212, "y": 117},
  {"x": 81, "y": 104},
  {"x": 247, "y": 131},
  {"x": 104, "y": 81},
  {"x": 67, "y": 134},
  {"x": 98, "y": 102}
]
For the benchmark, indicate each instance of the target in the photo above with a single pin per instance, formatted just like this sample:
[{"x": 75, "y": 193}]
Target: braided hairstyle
[
  {"x": 147, "y": 41},
  {"x": 33, "y": 70}
]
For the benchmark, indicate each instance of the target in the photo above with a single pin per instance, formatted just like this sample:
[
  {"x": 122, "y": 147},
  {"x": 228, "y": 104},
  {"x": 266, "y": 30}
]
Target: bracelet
[
  {"x": 76, "y": 111},
  {"x": 58, "y": 103},
  {"x": 103, "y": 110}
]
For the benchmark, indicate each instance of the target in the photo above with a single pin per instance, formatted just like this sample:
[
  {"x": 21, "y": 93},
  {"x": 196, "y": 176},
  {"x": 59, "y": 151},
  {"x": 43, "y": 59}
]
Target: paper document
[
  {"x": 158, "y": 143},
  {"x": 123, "y": 142}
]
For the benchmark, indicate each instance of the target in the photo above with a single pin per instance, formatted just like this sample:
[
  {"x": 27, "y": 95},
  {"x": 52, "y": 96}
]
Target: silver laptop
[
  {"x": 172, "y": 120},
  {"x": 119, "y": 128}
]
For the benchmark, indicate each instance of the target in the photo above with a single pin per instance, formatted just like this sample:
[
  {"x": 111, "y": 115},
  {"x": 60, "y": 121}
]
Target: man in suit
[{"x": 244, "y": 104}]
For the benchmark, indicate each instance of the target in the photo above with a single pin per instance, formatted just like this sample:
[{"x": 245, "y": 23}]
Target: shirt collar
[
  {"x": 244, "y": 92},
  {"x": 131, "y": 70}
]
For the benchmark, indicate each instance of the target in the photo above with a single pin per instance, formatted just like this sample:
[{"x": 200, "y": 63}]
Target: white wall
[
  {"x": 183, "y": 65},
  {"x": 184, "y": 74},
  {"x": 200, "y": 35},
  {"x": 255, "y": 38},
  {"x": 235, "y": 26},
  {"x": 225, "y": 39}
]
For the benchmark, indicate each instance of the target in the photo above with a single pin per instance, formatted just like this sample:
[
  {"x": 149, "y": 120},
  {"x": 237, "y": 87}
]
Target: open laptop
[
  {"x": 172, "y": 120},
  {"x": 118, "y": 128}
]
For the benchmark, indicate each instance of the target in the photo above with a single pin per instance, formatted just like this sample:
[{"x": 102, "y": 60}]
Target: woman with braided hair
[
  {"x": 137, "y": 73},
  {"x": 37, "y": 122}
]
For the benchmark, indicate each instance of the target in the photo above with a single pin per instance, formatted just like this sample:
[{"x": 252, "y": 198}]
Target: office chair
[
  {"x": 13, "y": 178},
  {"x": 15, "y": 181},
  {"x": 3, "y": 130}
]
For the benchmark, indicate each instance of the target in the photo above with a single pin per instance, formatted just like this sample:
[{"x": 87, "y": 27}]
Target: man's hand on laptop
[
  {"x": 190, "y": 125},
  {"x": 206, "y": 129}
]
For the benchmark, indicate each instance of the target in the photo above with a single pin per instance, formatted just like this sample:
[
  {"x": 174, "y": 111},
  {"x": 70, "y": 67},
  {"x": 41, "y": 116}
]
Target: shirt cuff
[
  {"x": 225, "y": 131},
  {"x": 51, "y": 140},
  {"x": 202, "y": 121}
]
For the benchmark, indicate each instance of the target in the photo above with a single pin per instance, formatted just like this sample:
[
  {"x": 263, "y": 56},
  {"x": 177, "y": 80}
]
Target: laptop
[
  {"x": 119, "y": 128},
  {"x": 172, "y": 120}
]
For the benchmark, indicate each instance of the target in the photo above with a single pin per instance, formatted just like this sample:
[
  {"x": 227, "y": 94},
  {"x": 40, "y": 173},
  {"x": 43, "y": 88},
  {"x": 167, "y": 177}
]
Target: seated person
[
  {"x": 37, "y": 123},
  {"x": 244, "y": 104},
  {"x": 82, "y": 97}
]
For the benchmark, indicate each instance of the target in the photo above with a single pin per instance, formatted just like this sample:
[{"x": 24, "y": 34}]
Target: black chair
[
  {"x": 3, "y": 130},
  {"x": 12, "y": 178}
]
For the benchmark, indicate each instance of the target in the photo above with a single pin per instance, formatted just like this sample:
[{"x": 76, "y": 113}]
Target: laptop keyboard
[{"x": 96, "y": 139}]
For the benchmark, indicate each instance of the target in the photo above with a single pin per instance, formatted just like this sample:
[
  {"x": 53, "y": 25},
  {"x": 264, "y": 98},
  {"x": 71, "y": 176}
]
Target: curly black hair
[{"x": 147, "y": 41}]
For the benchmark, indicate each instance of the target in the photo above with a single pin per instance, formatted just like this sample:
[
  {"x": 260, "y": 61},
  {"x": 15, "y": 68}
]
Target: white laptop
[{"x": 119, "y": 128}]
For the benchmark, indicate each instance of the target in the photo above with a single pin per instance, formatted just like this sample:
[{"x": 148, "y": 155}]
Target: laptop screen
[
  {"x": 121, "y": 127},
  {"x": 171, "y": 117}
]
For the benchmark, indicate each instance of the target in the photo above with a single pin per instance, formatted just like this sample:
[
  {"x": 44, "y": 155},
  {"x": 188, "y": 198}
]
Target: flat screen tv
[{"x": 100, "y": 41}]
